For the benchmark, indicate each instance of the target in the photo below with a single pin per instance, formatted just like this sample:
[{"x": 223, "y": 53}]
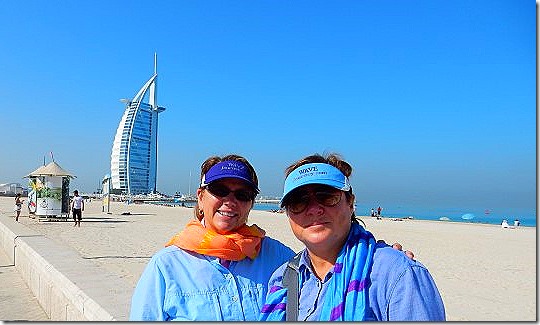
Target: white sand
[{"x": 484, "y": 272}]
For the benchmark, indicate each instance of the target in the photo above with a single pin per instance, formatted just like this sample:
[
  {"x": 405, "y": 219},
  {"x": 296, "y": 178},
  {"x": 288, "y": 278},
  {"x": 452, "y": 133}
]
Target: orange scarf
[{"x": 246, "y": 241}]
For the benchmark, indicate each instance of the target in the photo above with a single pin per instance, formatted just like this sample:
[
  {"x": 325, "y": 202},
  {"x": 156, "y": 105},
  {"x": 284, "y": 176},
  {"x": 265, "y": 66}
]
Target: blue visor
[
  {"x": 229, "y": 169},
  {"x": 315, "y": 173}
]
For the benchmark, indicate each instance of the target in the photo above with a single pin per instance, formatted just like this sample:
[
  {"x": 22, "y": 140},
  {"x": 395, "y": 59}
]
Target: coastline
[
  {"x": 478, "y": 268},
  {"x": 432, "y": 215}
]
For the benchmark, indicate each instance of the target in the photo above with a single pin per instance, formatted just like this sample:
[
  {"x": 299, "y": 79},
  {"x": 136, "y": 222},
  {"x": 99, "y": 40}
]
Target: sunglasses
[
  {"x": 221, "y": 191},
  {"x": 298, "y": 201}
]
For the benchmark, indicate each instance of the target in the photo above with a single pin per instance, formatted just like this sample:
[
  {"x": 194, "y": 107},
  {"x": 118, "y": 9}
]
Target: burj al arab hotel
[{"x": 134, "y": 150}]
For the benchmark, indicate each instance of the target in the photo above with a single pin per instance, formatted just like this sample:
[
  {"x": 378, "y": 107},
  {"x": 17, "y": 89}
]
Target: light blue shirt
[
  {"x": 400, "y": 289},
  {"x": 182, "y": 285}
]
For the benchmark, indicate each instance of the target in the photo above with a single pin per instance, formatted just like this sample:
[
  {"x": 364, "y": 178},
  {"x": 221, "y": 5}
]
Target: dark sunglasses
[
  {"x": 221, "y": 191},
  {"x": 298, "y": 201}
]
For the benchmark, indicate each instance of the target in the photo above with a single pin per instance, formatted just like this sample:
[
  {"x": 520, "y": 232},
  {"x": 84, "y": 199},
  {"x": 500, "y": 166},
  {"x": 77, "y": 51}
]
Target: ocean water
[
  {"x": 453, "y": 215},
  {"x": 493, "y": 217},
  {"x": 464, "y": 215}
]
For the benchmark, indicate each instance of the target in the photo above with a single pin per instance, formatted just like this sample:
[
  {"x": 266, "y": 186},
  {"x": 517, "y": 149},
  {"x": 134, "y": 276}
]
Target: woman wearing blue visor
[
  {"x": 217, "y": 267},
  {"x": 343, "y": 274}
]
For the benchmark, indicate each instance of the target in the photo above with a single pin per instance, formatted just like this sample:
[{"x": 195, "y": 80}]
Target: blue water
[
  {"x": 465, "y": 215},
  {"x": 454, "y": 215}
]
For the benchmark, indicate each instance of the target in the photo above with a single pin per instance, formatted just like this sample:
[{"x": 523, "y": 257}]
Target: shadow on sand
[
  {"x": 84, "y": 220},
  {"x": 114, "y": 257}
]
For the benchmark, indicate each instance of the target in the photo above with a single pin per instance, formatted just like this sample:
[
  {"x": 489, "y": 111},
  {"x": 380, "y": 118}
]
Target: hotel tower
[{"x": 134, "y": 151}]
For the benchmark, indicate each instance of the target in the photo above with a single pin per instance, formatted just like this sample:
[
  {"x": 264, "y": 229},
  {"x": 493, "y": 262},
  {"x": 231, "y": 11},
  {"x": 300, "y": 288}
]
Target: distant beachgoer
[
  {"x": 372, "y": 212},
  {"x": 77, "y": 207},
  {"x": 505, "y": 224},
  {"x": 343, "y": 274},
  {"x": 379, "y": 211},
  {"x": 18, "y": 205},
  {"x": 516, "y": 223}
]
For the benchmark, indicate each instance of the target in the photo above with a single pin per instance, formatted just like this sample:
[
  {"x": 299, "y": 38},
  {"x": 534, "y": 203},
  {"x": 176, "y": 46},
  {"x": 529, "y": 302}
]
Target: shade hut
[{"x": 48, "y": 195}]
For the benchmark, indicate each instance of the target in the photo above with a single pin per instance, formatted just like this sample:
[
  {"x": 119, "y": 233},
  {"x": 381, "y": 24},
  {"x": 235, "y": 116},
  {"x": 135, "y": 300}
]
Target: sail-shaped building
[{"x": 134, "y": 150}]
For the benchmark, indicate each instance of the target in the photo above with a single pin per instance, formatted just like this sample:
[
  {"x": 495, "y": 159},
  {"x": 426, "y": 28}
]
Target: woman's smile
[{"x": 227, "y": 213}]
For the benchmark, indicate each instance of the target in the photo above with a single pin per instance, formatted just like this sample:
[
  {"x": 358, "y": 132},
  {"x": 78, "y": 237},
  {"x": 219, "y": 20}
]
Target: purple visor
[{"x": 228, "y": 169}]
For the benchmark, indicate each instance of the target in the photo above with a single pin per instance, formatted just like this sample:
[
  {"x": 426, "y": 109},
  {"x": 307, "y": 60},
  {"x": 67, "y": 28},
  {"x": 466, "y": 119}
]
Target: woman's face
[
  {"x": 318, "y": 226},
  {"x": 227, "y": 213}
]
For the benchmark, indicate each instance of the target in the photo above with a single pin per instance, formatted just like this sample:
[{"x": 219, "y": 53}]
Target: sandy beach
[{"x": 484, "y": 272}]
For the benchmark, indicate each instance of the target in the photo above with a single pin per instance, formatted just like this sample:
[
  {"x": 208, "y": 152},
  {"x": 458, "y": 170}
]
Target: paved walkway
[{"x": 17, "y": 301}]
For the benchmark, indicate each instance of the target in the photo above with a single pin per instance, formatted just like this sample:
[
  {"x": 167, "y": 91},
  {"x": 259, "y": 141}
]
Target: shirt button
[{"x": 235, "y": 298}]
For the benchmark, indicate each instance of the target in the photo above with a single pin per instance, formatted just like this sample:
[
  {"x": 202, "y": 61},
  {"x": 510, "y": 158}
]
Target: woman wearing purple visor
[
  {"x": 217, "y": 268},
  {"x": 343, "y": 274}
]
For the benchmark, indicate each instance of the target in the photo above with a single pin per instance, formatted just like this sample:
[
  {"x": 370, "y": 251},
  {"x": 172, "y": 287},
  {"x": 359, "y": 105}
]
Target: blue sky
[{"x": 432, "y": 102}]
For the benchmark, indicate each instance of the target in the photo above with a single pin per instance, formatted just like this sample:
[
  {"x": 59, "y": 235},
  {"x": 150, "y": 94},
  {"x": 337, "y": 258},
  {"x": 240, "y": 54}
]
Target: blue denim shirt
[
  {"x": 400, "y": 289},
  {"x": 182, "y": 285}
]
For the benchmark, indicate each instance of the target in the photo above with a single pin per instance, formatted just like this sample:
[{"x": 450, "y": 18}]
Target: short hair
[{"x": 332, "y": 159}]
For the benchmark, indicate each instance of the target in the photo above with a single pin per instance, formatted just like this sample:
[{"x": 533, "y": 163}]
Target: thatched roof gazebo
[
  {"x": 52, "y": 169},
  {"x": 49, "y": 196}
]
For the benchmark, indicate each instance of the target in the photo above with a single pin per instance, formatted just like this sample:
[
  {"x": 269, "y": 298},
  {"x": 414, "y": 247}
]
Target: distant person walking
[
  {"x": 18, "y": 205},
  {"x": 379, "y": 211},
  {"x": 77, "y": 207}
]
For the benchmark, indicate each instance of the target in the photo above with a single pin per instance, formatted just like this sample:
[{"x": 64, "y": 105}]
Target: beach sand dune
[{"x": 484, "y": 272}]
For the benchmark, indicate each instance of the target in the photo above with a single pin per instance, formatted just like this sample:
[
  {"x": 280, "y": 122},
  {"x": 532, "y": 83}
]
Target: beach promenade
[
  {"x": 484, "y": 272},
  {"x": 18, "y": 302}
]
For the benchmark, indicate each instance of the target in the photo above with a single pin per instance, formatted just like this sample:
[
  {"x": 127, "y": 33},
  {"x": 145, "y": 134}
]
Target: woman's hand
[{"x": 397, "y": 246}]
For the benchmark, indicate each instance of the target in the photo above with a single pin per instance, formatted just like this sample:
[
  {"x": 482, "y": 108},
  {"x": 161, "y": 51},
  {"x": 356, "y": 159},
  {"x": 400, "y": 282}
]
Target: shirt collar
[{"x": 305, "y": 267}]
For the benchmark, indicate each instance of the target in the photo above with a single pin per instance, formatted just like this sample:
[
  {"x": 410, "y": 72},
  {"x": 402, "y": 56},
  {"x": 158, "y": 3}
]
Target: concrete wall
[{"x": 68, "y": 287}]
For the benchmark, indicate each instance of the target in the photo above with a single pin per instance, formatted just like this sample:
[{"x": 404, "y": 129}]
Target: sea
[
  {"x": 463, "y": 215},
  {"x": 483, "y": 216}
]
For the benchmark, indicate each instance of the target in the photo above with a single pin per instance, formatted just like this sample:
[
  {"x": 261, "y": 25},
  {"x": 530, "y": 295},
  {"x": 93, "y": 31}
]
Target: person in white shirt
[{"x": 77, "y": 207}]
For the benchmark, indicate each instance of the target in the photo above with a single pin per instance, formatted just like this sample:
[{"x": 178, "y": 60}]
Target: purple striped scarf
[{"x": 346, "y": 298}]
